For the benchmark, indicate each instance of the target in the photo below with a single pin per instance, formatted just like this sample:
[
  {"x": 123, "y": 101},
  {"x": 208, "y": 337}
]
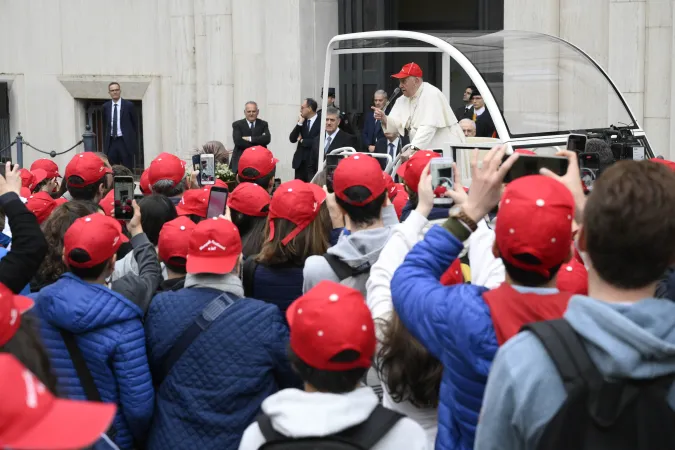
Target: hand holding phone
[
  {"x": 124, "y": 197},
  {"x": 577, "y": 142},
  {"x": 442, "y": 179},
  {"x": 207, "y": 169},
  {"x": 217, "y": 202},
  {"x": 332, "y": 162},
  {"x": 533, "y": 164}
]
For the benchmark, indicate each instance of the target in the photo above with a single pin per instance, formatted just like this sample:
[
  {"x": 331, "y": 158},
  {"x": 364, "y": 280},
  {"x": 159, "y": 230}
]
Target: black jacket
[
  {"x": 382, "y": 146},
  {"x": 342, "y": 139},
  {"x": 484, "y": 125},
  {"x": 128, "y": 124},
  {"x": 463, "y": 113},
  {"x": 260, "y": 135},
  {"x": 29, "y": 246},
  {"x": 304, "y": 148}
]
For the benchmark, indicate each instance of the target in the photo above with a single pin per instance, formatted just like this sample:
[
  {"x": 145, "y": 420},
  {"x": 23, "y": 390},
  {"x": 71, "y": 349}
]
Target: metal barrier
[{"x": 88, "y": 140}]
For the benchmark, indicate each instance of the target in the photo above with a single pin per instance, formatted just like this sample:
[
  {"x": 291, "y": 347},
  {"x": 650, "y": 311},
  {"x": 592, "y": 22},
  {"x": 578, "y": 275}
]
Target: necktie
[
  {"x": 251, "y": 124},
  {"x": 113, "y": 129},
  {"x": 328, "y": 140},
  {"x": 391, "y": 150}
]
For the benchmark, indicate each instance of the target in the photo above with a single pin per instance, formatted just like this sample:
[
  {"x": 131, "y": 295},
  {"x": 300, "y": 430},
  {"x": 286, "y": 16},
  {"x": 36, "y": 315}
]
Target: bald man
[{"x": 468, "y": 127}]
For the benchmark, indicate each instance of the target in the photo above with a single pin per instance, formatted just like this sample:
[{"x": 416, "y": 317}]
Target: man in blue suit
[
  {"x": 120, "y": 141},
  {"x": 372, "y": 129}
]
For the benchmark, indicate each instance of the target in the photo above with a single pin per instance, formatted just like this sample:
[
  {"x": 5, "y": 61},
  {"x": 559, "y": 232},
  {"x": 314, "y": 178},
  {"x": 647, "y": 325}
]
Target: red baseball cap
[
  {"x": 454, "y": 274},
  {"x": 327, "y": 320},
  {"x": 41, "y": 204},
  {"x": 411, "y": 170},
  {"x": 535, "y": 217},
  {"x": 297, "y": 202},
  {"x": 60, "y": 201},
  {"x": 250, "y": 199},
  {"x": 32, "y": 418},
  {"x": 11, "y": 308},
  {"x": 48, "y": 166},
  {"x": 166, "y": 167},
  {"x": 573, "y": 278},
  {"x": 87, "y": 166},
  {"x": 194, "y": 201},
  {"x": 24, "y": 192},
  {"x": 391, "y": 186},
  {"x": 215, "y": 247},
  {"x": 665, "y": 162},
  {"x": 108, "y": 203},
  {"x": 409, "y": 70},
  {"x": 219, "y": 183},
  {"x": 39, "y": 175},
  {"x": 399, "y": 202},
  {"x": 359, "y": 170},
  {"x": 27, "y": 178},
  {"x": 98, "y": 235},
  {"x": 144, "y": 183},
  {"x": 258, "y": 158},
  {"x": 524, "y": 151},
  {"x": 174, "y": 239}
]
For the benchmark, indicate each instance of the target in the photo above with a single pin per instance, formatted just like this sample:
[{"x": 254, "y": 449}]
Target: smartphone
[
  {"x": 332, "y": 162},
  {"x": 442, "y": 179},
  {"x": 207, "y": 169},
  {"x": 576, "y": 143},
  {"x": 217, "y": 202},
  {"x": 124, "y": 197},
  {"x": 531, "y": 165},
  {"x": 589, "y": 161}
]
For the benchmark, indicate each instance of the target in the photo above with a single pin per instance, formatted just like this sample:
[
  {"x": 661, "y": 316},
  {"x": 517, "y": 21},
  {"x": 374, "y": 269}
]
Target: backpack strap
[
  {"x": 369, "y": 433},
  {"x": 341, "y": 268},
  {"x": 565, "y": 348},
  {"x": 202, "y": 322},
  {"x": 250, "y": 265},
  {"x": 267, "y": 430},
  {"x": 83, "y": 372}
]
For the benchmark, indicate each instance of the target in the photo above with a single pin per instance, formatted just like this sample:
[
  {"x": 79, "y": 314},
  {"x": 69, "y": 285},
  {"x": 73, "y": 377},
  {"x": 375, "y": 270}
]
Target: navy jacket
[
  {"x": 214, "y": 391},
  {"x": 372, "y": 131},
  {"x": 110, "y": 335},
  {"x": 128, "y": 124},
  {"x": 279, "y": 286}
]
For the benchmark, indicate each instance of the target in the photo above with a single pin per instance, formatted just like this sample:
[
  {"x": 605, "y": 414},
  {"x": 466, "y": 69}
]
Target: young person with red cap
[
  {"x": 621, "y": 335},
  {"x": 410, "y": 172},
  {"x": 42, "y": 182},
  {"x": 166, "y": 176},
  {"x": 86, "y": 177},
  {"x": 41, "y": 204},
  {"x": 361, "y": 193},
  {"x": 194, "y": 204},
  {"x": 215, "y": 355},
  {"x": 533, "y": 239},
  {"x": 48, "y": 166},
  {"x": 174, "y": 241},
  {"x": 257, "y": 165},
  {"x": 82, "y": 320},
  {"x": 34, "y": 419},
  {"x": 295, "y": 233},
  {"x": 331, "y": 347},
  {"x": 249, "y": 206}
]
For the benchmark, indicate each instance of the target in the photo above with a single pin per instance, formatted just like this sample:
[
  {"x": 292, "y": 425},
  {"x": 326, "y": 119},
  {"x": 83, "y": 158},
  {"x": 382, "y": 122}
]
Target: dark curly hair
[
  {"x": 54, "y": 229},
  {"x": 411, "y": 372}
]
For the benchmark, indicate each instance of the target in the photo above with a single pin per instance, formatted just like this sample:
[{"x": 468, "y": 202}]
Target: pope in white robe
[{"x": 422, "y": 112}]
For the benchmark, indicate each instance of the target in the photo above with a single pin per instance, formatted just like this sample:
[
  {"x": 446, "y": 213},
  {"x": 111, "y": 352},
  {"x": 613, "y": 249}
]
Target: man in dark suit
[
  {"x": 248, "y": 132},
  {"x": 390, "y": 144},
  {"x": 372, "y": 129},
  {"x": 484, "y": 125},
  {"x": 305, "y": 132},
  {"x": 120, "y": 128},
  {"x": 466, "y": 111},
  {"x": 335, "y": 138}
]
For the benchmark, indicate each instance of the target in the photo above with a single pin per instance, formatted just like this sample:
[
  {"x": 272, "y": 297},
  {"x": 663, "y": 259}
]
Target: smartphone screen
[
  {"x": 332, "y": 162},
  {"x": 124, "y": 197},
  {"x": 217, "y": 202},
  {"x": 442, "y": 179},
  {"x": 531, "y": 165},
  {"x": 207, "y": 169},
  {"x": 576, "y": 143},
  {"x": 589, "y": 161}
]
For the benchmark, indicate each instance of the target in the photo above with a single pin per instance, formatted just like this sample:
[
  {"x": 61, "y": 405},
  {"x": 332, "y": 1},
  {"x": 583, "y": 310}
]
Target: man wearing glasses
[{"x": 119, "y": 128}]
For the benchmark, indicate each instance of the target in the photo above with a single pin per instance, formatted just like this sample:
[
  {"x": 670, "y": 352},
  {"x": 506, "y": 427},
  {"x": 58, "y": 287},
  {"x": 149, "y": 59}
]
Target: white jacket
[{"x": 297, "y": 413}]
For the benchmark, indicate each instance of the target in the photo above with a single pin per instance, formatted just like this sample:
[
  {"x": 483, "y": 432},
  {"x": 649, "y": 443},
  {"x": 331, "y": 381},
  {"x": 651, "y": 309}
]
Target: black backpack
[
  {"x": 602, "y": 414},
  {"x": 362, "y": 436}
]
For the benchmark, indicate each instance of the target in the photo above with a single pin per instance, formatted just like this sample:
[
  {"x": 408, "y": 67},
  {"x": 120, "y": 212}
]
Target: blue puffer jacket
[
  {"x": 110, "y": 335},
  {"x": 214, "y": 391},
  {"x": 454, "y": 324},
  {"x": 279, "y": 286}
]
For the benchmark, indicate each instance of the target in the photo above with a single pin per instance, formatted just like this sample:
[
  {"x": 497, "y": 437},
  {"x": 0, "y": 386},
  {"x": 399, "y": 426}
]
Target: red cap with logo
[
  {"x": 11, "y": 308},
  {"x": 297, "y": 202},
  {"x": 27, "y": 178},
  {"x": 144, "y": 183},
  {"x": 329, "y": 319},
  {"x": 87, "y": 166},
  {"x": 194, "y": 201},
  {"x": 409, "y": 70},
  {"x": 535, "y": 217},
  {"x": 48, "y": 166},
  {"x": 41, "y": 204},
  {"x": 215, "y": 247},
  {"x": 166, "y": 167},
  {"x": 108, "y": 203},
  {"x": 665, "y": 162},
  {"x": 258, "y": 158},
  {"x": 573, "y": 278},
  {"x": 411, "y": 170},
  {"x": 32, "y": 418},
  {"x": 249, "y": 199},
  {"x": 174, "y": 239},
  {"x": 359, "y": 170},
  {"x": 98, "y": 236},
  {"x": 39, "y": 175}
]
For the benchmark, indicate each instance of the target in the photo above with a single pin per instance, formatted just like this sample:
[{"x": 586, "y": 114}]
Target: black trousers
[
  {"x": 118, "y": 153},
  {"x": 302, "y": 173}
]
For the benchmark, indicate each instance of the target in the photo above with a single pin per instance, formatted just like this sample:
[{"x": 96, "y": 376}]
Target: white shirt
[
  {"x": 310, "y": 122},
  {"x": 332, "y": 138},
  {"x": 119, "y": 116},
  {"x": 395, "y": 143},
  {"x": 478, "y": 112},
  {"x": 251, "y": 125}
]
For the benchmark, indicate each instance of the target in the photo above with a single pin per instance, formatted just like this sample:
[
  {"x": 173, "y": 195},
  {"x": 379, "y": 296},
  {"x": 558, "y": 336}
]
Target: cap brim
[
  {"x": 319, "y": 193},
  {"x": 400, "y": 75},
  {"x": 23, "y": 304},
  {"x": 68, "y": 424},
  {"x": 210, "y": 264},
  {"x": 401, "y": 170}
]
